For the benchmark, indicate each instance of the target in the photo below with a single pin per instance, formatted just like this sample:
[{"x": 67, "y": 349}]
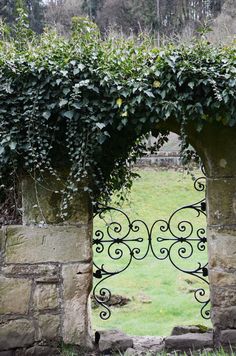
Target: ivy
[{"x": 93, "y": 100}]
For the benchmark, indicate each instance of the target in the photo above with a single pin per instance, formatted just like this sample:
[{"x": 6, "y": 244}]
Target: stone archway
[
  {"x": 90, "y": 112},
  {"x": 56, "y": 285}
]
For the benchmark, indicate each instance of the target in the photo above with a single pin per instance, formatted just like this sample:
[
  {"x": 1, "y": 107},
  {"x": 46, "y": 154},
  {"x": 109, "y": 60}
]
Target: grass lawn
[{"x": 161, "y": 296}]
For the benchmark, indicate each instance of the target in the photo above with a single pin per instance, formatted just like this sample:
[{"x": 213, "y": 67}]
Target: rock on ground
[
  {"x": 193, "y": 341},
  {"x": 143, "y": 345},
  {"x": 116, "y": 340}
]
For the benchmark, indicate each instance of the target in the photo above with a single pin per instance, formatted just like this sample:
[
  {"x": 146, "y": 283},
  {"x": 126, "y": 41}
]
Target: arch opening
[{"x": 151, "y": 255}]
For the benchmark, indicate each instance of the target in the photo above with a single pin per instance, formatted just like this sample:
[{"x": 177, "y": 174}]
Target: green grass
[{"x": 161, "y": 296}]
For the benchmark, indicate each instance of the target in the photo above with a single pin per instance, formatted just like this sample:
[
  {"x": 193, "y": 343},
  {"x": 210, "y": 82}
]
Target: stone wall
[
  {"x": 161, "y": 159},
  {"x": 216, "y": 146},
  {"x": 45, "y": 282}
]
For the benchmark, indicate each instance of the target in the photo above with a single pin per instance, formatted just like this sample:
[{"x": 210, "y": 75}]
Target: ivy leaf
[
  {"x": 149, "y": 93},
  {"x": 119, "y": 102},
  {"x": 63, "y": 102},
  {"x": 101, "y": 138},
  {"x": 100, "y": 125},
  {"x": 199, "y": 126},
  {"x": 81, "y": 66},
  {"x": 77, "y": 105},
  {"x": 156, "y": 84},
  {"x": 12, "y": 145},
  {"x": 76, "y": 71},
  {"x": 66, "y": 91},
  {"x": 139, "y": 98},
  {"x": 46, "y": 114},
  {"x": 64, "y": 73},
  {"x": 69, "y": 114}
]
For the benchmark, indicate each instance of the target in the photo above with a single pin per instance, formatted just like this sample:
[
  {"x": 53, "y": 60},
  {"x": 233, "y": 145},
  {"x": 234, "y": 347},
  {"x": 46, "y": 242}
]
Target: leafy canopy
[{"x": 87, "y": 101}]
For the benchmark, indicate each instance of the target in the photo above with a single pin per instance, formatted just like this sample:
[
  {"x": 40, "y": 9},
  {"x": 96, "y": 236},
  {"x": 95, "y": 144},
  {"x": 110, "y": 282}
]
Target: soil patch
[{"x": 115, "y": 301}]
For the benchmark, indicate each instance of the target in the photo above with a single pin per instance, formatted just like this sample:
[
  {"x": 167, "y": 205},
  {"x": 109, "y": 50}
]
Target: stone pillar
[
  {"x": 218, "y": 147},
  {"x": 46, "y": 272}
]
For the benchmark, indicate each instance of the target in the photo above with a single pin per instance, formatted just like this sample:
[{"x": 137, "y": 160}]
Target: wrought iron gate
[{"x": 170, "y": 239}]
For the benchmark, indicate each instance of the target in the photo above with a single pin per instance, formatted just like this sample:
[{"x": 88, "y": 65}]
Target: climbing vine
[{"x": 85, "y": 102}]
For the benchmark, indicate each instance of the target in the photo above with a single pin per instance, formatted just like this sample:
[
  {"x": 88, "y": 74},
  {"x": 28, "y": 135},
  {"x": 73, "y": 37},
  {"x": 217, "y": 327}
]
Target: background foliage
[
  {"x": 163, "y": 19},
  {"x": 90, "y": 101},
  {"x": 9, "y": 10}
]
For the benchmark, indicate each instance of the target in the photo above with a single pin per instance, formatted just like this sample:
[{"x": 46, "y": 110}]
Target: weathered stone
[
  {"x": 48, "y": 280},
  {"x": 16, "y": 333},
  {"x": 148, "y": 344},
  {"x": 221, "y": 206},
  {"x": 52, "y": 244},
  {"x": 41, "y": 351},
  {"x": 216, "y": 146},
  {"x": 132, "y": 352},
  {"x": 192, "y": 341},
  {"x": 45, "y": 296},
  {"x": 6, "y": 353},
  {"x": 221, "y": 249},
  {"x": 77, "y": 284},
  {"x": 14, "y": 295},
  {"x": 2, "y": 238},
  {"x": 35, "y": 270},
  {"x": 186, "y": 329},
  {"x": 43, "y": 205},
  {"x": 49, "y": 327},
  {"x": 220, "y": 278},
  {"x": 228, "y": 337},
  {"x": 223, "y": 297},
  {"x": 113, "y": 340},
  {"x": 224, "y": 318}
]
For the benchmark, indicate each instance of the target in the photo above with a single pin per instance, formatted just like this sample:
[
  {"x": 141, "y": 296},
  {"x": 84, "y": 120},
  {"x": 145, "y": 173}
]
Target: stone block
[
  {"x": 228, "y": 337},
  {"x": 216, "y": 146},
  {"x": 77, "y": 285},
  {"x": 35, "y": 270},
  {"x": 224, "y": 318},
  {"x": 192, "y": 341},
  {"x": 48, "y": 280},
  {"x": 7, "y": 353},
  {"x": 186, "y": 329},
  {"x": 113, "y": 340},
  {"x": 14, "y": 295},
  {"x": 223, "y": 296},
  {"x": 2, "y": 238},
  {"x": 221, "y": 201},
  {"x": 220, "y": 278},
  {"x": 47, "y": 244},
  {"x": 45, "y": 296},
  {"x": 221, "y": 249},
  {"x": 46, "y": 204},
  {"x": 146, "y": 345},
  {"x": 41, "y": 351},
  {"x": 16, "y": 333},
  {"x": 49, "y": 327}
]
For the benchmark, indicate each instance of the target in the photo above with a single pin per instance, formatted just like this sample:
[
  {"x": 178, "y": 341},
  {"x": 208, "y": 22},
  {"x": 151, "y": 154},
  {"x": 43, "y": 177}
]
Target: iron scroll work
[{"x": 171, "y": 239}]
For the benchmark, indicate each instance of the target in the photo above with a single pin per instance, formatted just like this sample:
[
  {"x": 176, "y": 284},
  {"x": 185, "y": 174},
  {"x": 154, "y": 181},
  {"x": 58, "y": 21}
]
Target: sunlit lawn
[{"x": 161, "y": 296}]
